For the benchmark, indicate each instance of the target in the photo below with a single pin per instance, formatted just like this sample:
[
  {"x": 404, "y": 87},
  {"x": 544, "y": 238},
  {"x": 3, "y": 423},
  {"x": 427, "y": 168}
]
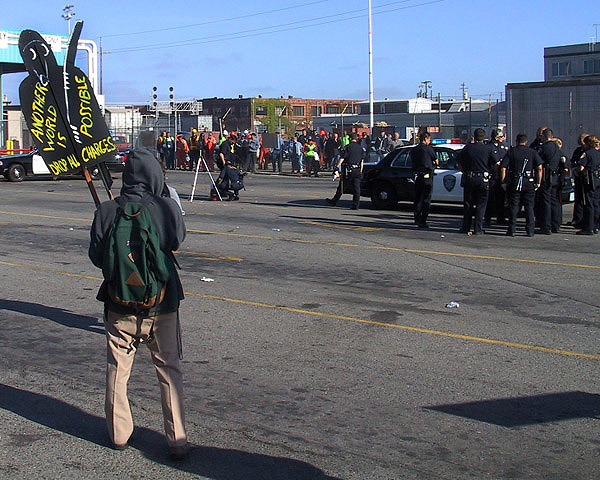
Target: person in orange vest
[
  {"x": 182, "y": 150},
  {"x": 209, "y": 151},
  {"x": 195, "y": 145}
]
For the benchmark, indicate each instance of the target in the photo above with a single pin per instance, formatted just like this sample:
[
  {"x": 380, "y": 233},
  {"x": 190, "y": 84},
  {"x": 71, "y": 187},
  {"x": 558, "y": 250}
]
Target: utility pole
[
  {"x": 465, "y": 93},
  {"x": 427, "y": 85}
]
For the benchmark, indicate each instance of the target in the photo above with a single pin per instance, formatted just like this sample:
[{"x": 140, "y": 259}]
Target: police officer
[
  {"x": 495, "y": 205},
  {"x": 424, "y": 161},
  {"x": 589, "y": 170},
  {"x": 476, "y": 161},
  {"x": 521, "y": 170},
  {"x": 352, "y": 164},
  {"x": 549, "y": 208},
  {"x": 539, "y": 139},
  {"x": 578, "y": 186}
]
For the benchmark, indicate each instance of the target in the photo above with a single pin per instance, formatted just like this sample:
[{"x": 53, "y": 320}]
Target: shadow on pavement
[
  {"x": 58, "y": 315},
  {"x": 520, "y": 411},
  {"x": 211, "y": 462}
]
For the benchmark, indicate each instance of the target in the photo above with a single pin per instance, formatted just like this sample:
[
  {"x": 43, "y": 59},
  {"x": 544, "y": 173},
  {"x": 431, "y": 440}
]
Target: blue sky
[{"x": 310, "y": 48}]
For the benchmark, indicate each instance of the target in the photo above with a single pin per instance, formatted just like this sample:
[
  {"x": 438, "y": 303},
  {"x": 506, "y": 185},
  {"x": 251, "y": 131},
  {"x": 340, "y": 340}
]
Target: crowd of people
[
  {"x": 498, "y": 180},
  {"x": 310, "y": 151}
]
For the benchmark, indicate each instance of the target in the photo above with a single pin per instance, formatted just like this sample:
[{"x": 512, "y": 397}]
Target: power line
[
  {"x": 274, "y": 29},
  {"x": 209, "y": 22}
]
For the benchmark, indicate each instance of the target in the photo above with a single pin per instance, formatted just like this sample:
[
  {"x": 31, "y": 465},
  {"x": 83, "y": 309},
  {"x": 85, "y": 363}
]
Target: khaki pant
[{"x": 122, "y": 334}]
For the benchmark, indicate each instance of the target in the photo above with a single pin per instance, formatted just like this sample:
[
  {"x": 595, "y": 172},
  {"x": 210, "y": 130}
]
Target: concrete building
[
  {"x": 568, "y": 101},
  {"x": 571, "y": 61}
]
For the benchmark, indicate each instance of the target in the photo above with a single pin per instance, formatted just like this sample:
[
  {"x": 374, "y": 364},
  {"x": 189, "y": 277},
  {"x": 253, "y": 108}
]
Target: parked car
[
  {"x": 16, "y": 167},
  {"x": 115, "y": 164},
  {"x": 390, "y": 181}
]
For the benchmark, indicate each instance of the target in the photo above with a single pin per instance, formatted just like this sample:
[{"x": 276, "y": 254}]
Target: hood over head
[{"x": 142, "y": 175}]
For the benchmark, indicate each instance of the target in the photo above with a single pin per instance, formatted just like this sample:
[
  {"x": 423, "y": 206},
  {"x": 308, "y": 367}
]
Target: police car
[
  {"x": 16, "y": 167},
  {"x": 390, "y": 180}
]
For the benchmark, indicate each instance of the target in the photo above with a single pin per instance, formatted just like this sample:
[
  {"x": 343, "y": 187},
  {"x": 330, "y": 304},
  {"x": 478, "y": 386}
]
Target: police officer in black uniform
[
  {"x": 424, "y": 161},
  {"x": 577, "y": 184},
  {"x": 521, "y": 170},
  {"x": 352, "y": 165},
  {"x": 495, "y": 205},
  {"x": 476, "y": 161},
  {"x": 539, "y": 139},
  {"x": 589, "y": 170},
  {"x": 549, "y": 209}
]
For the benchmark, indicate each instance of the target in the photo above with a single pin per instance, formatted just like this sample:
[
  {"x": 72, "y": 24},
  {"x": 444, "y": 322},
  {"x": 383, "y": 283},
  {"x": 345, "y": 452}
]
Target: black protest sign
[{"x": 60, "y": 107}]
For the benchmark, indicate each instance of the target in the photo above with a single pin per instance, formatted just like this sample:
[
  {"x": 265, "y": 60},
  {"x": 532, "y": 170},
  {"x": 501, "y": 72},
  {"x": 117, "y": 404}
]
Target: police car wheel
[
  {"x": 384, "y": 197},
  {"x": 16, "y": 172},
  {"x": 95, "y": 172}
]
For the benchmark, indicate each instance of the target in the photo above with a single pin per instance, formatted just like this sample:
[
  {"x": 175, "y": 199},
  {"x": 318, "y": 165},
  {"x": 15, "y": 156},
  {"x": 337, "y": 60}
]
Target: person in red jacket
[{"x": 209, "y": 151}]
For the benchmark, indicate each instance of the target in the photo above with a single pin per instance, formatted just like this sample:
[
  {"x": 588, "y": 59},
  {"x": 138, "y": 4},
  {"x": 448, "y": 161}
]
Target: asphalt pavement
[{"x": 323, "y": 347}]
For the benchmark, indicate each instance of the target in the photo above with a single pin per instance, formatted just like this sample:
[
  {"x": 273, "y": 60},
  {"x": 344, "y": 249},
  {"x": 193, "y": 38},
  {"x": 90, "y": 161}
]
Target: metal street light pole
[
  {"x": 371, "y": 95},
  {"x": 67, "y": 15}
]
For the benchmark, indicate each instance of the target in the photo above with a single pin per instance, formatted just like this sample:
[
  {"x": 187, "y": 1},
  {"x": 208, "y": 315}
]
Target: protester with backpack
[{"x": 132, "y": 239}]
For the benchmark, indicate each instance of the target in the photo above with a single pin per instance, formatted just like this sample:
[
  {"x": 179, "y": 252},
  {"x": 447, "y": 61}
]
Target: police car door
[{"x": 446, "y": 182}]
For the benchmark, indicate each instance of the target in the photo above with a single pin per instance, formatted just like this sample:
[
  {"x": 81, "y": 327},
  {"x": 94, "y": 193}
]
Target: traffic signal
[
  {"x": 171, "y": 97},
  {"x": 154, "y": 96}
]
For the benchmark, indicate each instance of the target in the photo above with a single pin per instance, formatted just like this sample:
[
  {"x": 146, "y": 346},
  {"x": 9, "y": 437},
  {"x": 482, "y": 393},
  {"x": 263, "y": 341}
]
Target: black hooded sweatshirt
[{"x": 142, "y": 177}]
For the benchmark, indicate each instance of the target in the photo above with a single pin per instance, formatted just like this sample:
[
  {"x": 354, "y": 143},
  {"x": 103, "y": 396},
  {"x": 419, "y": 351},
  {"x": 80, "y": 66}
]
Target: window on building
[
  {"x": 363, "y": 109},
  {"x": 261, "y": 128},
  {"x": 298, "y": 110},
  {"x": 591, "y": 67},
  {"x": 561, "y": 69},
  {"x": 332, "y": 109},
  {"x": 261, "y": 110},
  {"x": 316, "y": 111}
]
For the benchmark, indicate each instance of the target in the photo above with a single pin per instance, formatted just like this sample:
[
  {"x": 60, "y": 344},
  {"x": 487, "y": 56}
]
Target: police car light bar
[{"x": 441, "y": 141}]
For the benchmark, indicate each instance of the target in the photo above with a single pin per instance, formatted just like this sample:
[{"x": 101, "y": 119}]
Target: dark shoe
[
  {"x": 555, "y": 230},
  {"x": 236, "y": 198},
  {"x": 331, "y": 201},
  {"x": 120, "y": 447},
  {"x": 423, "y": 225},
  {"x": 510, "y": 233},
  {"x": 584, "y": 232},
  {"x": 544, "y": 232},
  {"x": 178, "y": 454},
  {"x": 353, "y": 207},
  {"x": 530, "y": 234}
]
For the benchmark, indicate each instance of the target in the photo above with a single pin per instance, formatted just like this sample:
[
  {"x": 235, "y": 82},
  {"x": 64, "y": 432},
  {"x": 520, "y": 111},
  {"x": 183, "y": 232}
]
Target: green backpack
[{"x": 135, "y": 267}]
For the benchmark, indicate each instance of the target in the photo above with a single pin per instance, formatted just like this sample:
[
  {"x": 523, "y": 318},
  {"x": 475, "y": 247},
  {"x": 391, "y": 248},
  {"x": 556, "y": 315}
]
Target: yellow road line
[
  {"x": 349, "y": 245},
  {"x": 343, "y": 227},
  {"x": 427, "y": 331},
  {"x": 209, "y": 257},
  {"x": 396, "y": 249},
  {"x": 37, "y": 215}
]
